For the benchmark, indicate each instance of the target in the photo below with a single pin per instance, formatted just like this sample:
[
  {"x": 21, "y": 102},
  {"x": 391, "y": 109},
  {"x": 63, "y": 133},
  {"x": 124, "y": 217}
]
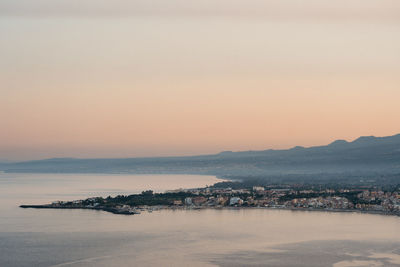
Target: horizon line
[{"x": 6, "y": 161}]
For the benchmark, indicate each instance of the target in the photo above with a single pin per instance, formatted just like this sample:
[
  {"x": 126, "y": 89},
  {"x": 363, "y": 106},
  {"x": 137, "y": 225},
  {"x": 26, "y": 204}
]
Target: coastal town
[{"x": 283, "y": 197}]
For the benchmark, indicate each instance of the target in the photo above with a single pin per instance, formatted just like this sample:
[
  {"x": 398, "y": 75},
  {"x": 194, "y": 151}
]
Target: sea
[{"x": 211, "y": 237}]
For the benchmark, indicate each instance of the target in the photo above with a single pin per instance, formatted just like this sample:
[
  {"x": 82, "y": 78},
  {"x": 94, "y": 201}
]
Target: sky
[{"x": 140, "y": 78}]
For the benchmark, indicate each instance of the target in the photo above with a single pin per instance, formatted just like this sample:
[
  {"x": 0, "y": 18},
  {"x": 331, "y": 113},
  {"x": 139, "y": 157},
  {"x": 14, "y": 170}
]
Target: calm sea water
[{"x": 254, "y": 237}]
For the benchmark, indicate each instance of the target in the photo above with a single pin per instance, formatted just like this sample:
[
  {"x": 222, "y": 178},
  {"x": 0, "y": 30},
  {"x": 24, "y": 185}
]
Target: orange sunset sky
[{"x": 97, "y": 78}]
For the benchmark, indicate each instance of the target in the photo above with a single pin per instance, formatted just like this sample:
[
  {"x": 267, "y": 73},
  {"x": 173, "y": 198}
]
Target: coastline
[{"x": 137, "y": 210}]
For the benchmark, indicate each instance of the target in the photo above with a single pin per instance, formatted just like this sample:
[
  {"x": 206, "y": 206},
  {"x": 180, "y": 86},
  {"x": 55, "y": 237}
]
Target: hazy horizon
[
  {"x": 204, "y": 154},
  {"x": 95, "y": 79}
]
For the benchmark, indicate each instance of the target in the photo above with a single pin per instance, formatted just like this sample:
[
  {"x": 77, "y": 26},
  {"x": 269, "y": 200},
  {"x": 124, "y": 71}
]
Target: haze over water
[{"x": 178, "y": 238}]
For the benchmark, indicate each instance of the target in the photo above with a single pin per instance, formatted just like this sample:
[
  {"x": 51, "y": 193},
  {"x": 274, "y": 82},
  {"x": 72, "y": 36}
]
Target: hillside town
[{"x": 354, "y": 199}]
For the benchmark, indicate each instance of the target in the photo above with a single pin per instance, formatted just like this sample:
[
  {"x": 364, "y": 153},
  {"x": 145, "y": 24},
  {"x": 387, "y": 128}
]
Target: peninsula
[{"x": 237, "y": 195}]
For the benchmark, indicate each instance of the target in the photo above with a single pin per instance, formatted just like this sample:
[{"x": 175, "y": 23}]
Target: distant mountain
[{"x": 366, "y": 156}]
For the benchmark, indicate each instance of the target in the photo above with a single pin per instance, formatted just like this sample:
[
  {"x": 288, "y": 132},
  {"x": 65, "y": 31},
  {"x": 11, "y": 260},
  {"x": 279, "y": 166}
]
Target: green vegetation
[{"x": 146, "y": 198}]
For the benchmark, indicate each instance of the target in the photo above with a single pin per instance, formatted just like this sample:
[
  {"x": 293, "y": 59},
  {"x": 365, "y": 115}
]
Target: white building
[
  {"x": 258, "y": 188},
  {"x": 188, "y": 201},
  {"x": 235, "y": 200}
]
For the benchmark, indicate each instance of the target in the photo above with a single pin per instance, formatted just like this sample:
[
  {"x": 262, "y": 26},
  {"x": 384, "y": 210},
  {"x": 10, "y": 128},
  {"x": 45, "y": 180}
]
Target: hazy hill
[{"x": 365, "y": 156}]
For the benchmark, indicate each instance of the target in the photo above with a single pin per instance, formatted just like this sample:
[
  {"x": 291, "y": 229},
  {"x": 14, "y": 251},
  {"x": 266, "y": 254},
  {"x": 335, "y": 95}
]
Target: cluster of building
[
  {"x": 328, "y": 199},
  {"x": 321, "y": 203},
  {"x": 379, "y": 200},
  {"x": 362, "y": 199}
]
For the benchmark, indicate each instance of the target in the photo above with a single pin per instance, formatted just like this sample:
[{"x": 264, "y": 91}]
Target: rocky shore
[
  {"x": 138, "y": 210},
  {"x": 107, "y": 209}
]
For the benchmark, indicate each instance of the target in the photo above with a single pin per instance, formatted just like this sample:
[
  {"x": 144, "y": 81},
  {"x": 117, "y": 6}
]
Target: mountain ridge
[
  {"x": 364, "y": 156},
  {"x": 338, "y": 142}
]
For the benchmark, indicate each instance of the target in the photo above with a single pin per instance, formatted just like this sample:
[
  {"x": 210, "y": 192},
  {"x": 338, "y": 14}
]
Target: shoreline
[{"x": 137, "y": 210}]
